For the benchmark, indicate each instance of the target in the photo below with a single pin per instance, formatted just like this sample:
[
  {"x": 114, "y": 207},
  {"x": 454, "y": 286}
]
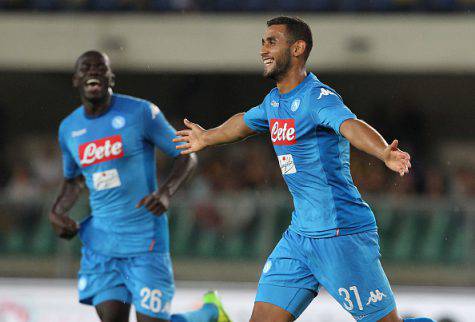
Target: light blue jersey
[
  {"x": 314, "y": 157},
  {"x": 115, "y": 152},
  {"x": 332, "y": 239}
]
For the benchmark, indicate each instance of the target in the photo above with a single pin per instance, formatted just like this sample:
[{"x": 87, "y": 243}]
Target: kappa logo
[
  {"x": 101, "y": 150},
  {"x": 375, "y": 297},
  {"x": 274, "y": 104},
  {"x": 155, "y": 110},
  {"x": 325, "y": 92},
  {"x": 77, "y": 133},
  {"x": 360, "y": 317},
  {"x": 283, "y": 131}
]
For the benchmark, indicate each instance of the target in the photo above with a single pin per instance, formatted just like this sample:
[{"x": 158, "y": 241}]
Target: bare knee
[
  {"x": 113, "y": 311},
  {"x": 266, "y": 312}
]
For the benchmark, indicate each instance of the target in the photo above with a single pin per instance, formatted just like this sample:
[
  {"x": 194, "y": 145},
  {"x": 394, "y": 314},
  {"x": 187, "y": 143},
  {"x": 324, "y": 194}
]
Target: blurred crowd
[
  {"x": 223, "y": 195},
  {"x": 34, "y": 168},
  {"x": 240, "y": 5},
  {"x": 236, "y": 184}
]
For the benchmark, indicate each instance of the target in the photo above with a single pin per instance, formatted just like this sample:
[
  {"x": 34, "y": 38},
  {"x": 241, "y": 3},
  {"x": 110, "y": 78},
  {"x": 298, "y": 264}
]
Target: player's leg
[
  {"x": 101, "y": 285},
  {"x": 113, "y": 311},
  {"x": 145, "y": 318},
  {"x": 211, "y": 311},
  {"x": 286, "y": 286},
  {"x": 267, "y": 312},
  {"x": 150, "y": 280},
  {"x": 394, "y": 317},
  {"x": 349, "y": 268}
]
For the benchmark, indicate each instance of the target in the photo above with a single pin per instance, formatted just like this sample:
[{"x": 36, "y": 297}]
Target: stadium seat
[
  {"x": 46, "y": 4},
  {"x": 160, "y": 5},
  {"x": 314, "y": 5}
]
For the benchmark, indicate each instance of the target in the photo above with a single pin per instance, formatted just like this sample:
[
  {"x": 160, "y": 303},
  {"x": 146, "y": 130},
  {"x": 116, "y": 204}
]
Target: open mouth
[
  {"x": 93, "y": 84},
  {"x": 267, "y": 61}
]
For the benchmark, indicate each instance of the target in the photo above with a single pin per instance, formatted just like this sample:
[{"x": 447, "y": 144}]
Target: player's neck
[
  {"x": 291, "y": 79},
  {"x": 94, "y": 109}
]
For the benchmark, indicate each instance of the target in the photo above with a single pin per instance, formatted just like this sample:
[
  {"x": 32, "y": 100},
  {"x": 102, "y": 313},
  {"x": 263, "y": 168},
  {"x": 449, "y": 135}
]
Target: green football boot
[{"x": 211, "y": 297}]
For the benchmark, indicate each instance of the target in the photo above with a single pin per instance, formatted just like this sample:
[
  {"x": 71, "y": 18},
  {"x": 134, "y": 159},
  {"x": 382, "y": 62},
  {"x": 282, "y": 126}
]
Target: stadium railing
[{"x": 245, "y": 226}]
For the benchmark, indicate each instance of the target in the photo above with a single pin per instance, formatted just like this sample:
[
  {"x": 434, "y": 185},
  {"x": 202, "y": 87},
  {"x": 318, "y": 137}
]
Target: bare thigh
[
  {"x": 266, "y": 312},
  {"x": 113, "y": 311}
]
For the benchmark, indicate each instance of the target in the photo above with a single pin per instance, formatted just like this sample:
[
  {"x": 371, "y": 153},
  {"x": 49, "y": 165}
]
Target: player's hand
[
  {"x": 156, "y": 202},
  {"x": 396, "y": 160},
  {"x": 193, "y": 138},
  {"x": 63, "y": 225}
]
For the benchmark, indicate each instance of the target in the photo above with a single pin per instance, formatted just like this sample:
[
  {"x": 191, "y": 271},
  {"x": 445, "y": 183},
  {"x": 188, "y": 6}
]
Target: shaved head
[{"x": 92, "y": 53}]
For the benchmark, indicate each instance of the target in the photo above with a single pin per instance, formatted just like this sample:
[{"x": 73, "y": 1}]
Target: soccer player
[
  {"x": 332, "y": 239},
  {"x": 108, "y": 144}
]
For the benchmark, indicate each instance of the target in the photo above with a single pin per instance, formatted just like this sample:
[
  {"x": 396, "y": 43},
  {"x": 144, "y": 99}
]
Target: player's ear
[
  {"x": 75, "y": 81},
  {"x": 112, "y": 80},
  {"x": 298, "y": 48}
]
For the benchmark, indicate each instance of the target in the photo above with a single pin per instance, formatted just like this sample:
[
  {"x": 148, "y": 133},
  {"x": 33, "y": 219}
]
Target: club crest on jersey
[
  {"x": 118, "y": 122},
  {"x": 101, "y": 150},
  {"x": 283, "y": 131},
  {"x": 267, "y": 267},
  {"x": 295, "y": 105},
  {"x": 82, "y": 283}
]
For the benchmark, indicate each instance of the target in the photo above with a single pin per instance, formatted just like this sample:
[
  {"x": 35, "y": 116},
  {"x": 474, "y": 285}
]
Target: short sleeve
[
  {"x": 256, "y": 119},
  {"x": 158, "y": 131},
  {"x": 70, "y": 167},
  {"x": 329, "y": 110}
]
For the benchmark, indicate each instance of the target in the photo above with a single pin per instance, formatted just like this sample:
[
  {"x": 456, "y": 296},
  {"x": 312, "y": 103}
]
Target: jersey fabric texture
[
  {"x": 125, "y": 255},
  {"x": 304, "y": 126},
  {"x": 115, "y": 152},
  {"x": 332, "y": 238},
  {"x": 146, "y": 281},
  {"x": 348, "y": 267}
]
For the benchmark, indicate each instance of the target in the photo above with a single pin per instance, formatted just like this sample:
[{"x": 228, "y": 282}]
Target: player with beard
[
  {"x": 108, "y": 144},
  {"x": 332, "y": 239}
]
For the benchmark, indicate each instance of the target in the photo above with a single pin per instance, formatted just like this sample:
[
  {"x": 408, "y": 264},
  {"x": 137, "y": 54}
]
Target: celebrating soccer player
[
  {"x": 332, "y": 239},
  {"x": 109, "y": 143}
]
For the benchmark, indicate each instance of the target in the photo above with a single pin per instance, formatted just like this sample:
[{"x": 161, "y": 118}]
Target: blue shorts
[
  {"x": 146, "y": 281},
  {"x": 348, "y": 267}
]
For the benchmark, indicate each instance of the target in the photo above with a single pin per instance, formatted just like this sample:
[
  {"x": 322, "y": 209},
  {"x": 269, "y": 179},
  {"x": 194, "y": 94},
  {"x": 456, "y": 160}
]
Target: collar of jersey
[
  {"x": 307, "y": 79},
  {"x": 102, "y": 114}
]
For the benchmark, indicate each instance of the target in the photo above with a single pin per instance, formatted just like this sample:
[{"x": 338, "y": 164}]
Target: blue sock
[
  {"x": 419, "y": 320},
  {"x": 207, "y": 313}
]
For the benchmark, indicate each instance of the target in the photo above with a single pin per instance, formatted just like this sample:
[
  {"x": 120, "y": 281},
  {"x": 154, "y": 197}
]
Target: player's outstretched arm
[
  {"x": 159, "y": 201},
  {"x": 196, "y": 138},
  {"x": 366, "y": 138},
  {"x": 62, "y": 224}
]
